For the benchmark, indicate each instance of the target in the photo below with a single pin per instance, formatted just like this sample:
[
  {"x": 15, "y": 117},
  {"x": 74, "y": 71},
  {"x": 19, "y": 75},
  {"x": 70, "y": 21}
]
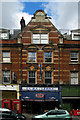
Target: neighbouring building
[
  {"x": 10, "y": 66},
  {"x": 40, "y": 66},
  {"x": 70, "y": 70}
]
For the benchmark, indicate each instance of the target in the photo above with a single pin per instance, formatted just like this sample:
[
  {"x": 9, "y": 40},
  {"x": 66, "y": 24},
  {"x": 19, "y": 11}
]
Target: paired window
[
  {"x": 48, "y": 77},
  {"x": 32, "y": 77},
  {"x": 6, "y": 76},
  {"x": 32, "y": 57},
  {"x": 74, "y": 56},
  {"x": 5, "y": 56},
  {"x": 40, "y": 38},
  {"x": 48, "y": 56},
  {"x": 74, "y": 77}
]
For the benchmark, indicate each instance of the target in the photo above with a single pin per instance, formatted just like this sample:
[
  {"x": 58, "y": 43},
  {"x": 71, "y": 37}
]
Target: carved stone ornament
[{"x": 48, "y": 68}]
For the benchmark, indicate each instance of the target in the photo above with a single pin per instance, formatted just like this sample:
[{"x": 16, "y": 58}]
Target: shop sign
[
  {"x": 39, "y": 88},
  {"x": 8, "y": 87}
]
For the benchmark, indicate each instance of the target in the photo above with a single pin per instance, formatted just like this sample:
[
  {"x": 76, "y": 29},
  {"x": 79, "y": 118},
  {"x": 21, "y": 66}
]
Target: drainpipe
[
  {"x": 21, "y": 64},
  {"x": 59, "y": 76},
  {"x": 59, "y": 67}
]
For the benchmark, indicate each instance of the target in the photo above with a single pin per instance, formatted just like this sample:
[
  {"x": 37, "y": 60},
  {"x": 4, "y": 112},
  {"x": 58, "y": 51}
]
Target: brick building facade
[{"x": 40, "y": 60}]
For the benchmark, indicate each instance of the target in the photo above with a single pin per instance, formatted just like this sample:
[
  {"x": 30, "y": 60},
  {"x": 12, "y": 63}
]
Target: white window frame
[
  {"x": 7, "y": 75},
  {"x": 75, "y": 56},
  {"x": 5, "y": 57},
  {"x": 74, "y": 77},
  {"x": 33, "y": 57},
  {"x": 47, "y": 57},
  {"x": 4, "y": 35},
  {"x": 32, "y": 77},
  {"x": 75, "y": 36},
  {"x": 48, "y": 77},
  {"x": 40, "y": 38}
]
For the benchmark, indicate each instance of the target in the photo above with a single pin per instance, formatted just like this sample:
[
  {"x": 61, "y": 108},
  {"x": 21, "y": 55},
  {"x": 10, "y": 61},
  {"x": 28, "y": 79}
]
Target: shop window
[
  {"x": 48, "y": 56},
  {"x": 32, "y": 57},
  {"x": 32, "y": 77},
  {"x": 48, "y": 77},
  {"x": 74, "y": 56},
  {"x": 6, "y": 76},
  {"x": 40, "y": 38},
  {"x": 5, "y": 56},
  {"x": 74, "y": 77}
]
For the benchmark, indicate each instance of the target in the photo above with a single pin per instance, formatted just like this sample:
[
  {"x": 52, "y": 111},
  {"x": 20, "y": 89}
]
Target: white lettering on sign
[
  {"x": 8, "y": 87},
  {"x": 39, "y": 88}
]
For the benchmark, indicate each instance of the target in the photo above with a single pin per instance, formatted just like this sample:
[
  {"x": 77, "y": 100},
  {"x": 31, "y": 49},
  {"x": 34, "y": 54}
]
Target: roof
[
  {"x": 75, "y": 30},
  {"x": 40, "y": 11},
  {"x": 4, "y": 30}
]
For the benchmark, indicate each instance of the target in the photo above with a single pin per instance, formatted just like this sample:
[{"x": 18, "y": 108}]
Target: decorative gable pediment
[
  {"x": 40, "y": 28},
  {"x": 40, "y": 16}
]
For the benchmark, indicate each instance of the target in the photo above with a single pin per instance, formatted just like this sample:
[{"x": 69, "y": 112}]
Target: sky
[{"x": 64, "y": 13}]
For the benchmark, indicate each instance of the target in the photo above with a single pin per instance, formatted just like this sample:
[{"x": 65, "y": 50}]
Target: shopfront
[
  {"x": 38, "y": 99},
  {"x": 71, "y": 97},
  {"x": 9, "y": 91}
]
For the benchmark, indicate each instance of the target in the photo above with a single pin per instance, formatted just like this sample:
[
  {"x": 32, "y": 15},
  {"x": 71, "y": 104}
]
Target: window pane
[
  {"x": 6, "y": 76},
  {"x": 48, "y": 76},
  {"x": 36, "y": 38},
  {"x": 48, "y": 57},
  {"x": 44, "y": 41},
  {"x": 74, "y": 56},
  {"x": 6, "y": 56},
  {"x": 32, "y": 77},
  {"x": 6, "y": 59},
  {"x": 44, "y": 38},
  {"x": 74, "y": 77},
  {"x": 40, "y": 38},
  {"x": 32, "y": 57}
]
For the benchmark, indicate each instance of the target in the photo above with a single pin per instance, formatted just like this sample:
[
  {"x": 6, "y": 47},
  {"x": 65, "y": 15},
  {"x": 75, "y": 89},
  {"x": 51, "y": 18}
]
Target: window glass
[
  {"x": 6, "y": 76},
  {"x": 61, "y": 112},
  {"x": 48, "y": 76},
  {"x": 36, "y": 38},
  {"x": 32, "y": 77},
  {"x": 74, "y": 56},
  {"x": 74, "y": 77},
  {"x": 4, "y": 36},
  {"x": 32, "y": 57},
  {"x": 48, "y": 57},
  {"x": 44, "y": 38},
  {"x": 40, "y": 38},
  {"x": 6, "y": 56}
]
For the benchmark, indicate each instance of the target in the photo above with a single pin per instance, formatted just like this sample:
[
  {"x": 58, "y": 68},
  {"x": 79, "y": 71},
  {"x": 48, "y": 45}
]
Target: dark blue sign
[{"x": 40, "y": 96}]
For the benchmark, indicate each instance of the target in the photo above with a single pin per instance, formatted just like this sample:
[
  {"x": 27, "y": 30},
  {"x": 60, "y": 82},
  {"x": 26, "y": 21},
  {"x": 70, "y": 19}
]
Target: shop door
[
  {"x": 6, "y": 103},
  {"x": 16, "y": 105}
]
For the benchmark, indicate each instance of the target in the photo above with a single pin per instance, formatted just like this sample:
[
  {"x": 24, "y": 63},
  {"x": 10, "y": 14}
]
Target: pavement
[
  {"x": 29, "y": 116},
  {"x": 75, "y": 117}
]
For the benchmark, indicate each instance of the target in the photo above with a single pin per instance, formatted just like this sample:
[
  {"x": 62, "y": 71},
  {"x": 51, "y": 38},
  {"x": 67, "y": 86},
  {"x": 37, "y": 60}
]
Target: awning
[{"x": 70, "y": 97}]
